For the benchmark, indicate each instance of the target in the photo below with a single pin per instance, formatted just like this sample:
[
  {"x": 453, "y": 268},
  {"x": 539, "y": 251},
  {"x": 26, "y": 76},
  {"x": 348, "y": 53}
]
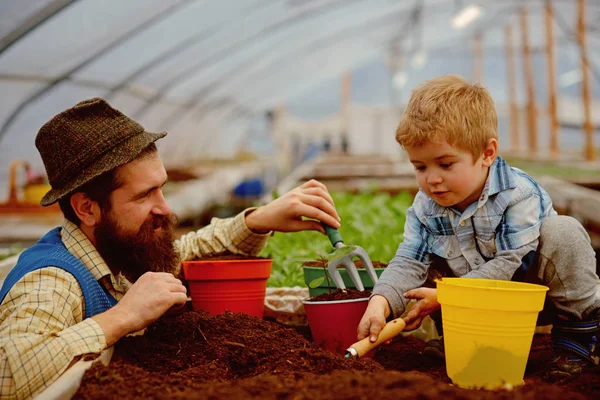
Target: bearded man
[{"x": 112, "y": 268}]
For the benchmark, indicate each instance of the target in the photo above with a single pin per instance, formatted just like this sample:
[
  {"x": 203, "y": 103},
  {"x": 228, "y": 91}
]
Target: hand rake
[{"x": 342, "y": 256}]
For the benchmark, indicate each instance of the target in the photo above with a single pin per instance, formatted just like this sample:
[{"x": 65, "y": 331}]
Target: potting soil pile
[{"x": 198, "y": 356}]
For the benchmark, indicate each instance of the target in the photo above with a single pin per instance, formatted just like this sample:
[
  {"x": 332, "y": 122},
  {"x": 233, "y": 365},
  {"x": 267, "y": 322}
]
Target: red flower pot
[
  {"x": 234, "y": 285},
  {"x": 333, "y": 324}
]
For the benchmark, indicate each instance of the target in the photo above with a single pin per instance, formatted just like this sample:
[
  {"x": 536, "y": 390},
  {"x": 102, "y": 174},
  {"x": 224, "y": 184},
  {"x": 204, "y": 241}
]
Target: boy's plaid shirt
[{"x": 506, "y": 217}]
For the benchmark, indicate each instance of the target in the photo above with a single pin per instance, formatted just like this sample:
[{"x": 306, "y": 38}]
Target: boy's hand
[
  {"x": 373, "y": 320},
  {"x": 426, "y": 304}
]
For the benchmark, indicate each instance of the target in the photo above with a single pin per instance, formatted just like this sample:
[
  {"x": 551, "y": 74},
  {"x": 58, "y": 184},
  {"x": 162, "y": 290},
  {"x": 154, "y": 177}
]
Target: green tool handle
[{"x": 333, "y": 234}]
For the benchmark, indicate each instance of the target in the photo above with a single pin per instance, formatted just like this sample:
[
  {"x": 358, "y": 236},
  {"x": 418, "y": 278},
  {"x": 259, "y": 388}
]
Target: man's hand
[
  {"x": 426, "y": 304},
  {"x": 153, "y": 294},
  {"x": 287, "y": 213},
  {"x": 373, "y": 320}
]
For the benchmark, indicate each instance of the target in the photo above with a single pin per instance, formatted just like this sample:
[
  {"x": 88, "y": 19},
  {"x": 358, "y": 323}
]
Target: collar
[
  {"x": 500, "y": 177},
  {"x": 78, "y": 244}
]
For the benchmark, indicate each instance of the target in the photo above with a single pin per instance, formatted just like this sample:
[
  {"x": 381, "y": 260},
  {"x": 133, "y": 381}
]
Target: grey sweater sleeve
[
  {"x": 504, "y": 264},
  {"x": 402, "y": 274}
]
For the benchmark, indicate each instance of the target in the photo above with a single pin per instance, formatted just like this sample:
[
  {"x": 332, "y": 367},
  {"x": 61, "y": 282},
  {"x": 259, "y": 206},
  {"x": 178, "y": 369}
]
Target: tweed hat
[{"x": 85, "y": 141}]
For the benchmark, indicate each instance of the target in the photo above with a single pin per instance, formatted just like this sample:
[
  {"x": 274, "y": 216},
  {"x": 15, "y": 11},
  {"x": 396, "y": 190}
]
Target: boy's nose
[{"x": 434, "y": 179}]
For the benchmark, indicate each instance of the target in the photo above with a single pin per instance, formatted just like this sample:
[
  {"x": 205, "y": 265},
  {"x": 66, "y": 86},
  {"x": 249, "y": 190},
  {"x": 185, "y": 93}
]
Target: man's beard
[{"x": 135, "y": 254}]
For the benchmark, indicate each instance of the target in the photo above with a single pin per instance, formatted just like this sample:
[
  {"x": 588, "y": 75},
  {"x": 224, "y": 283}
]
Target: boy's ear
[
  {"x": 86, "y": 209},
  {"x": 490, "y": 152}
]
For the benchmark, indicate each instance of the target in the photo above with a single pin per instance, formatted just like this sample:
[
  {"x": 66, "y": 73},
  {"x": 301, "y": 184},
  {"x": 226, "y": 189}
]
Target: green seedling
[{"x": 315, "y": 283}]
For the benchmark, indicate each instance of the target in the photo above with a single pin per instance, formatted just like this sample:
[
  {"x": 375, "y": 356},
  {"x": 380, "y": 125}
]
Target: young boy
[{"x": 475, "y": 216}]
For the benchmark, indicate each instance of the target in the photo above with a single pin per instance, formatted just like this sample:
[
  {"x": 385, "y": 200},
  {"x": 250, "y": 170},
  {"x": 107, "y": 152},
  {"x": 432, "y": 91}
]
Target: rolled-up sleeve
[{"x": 222, "y": 235}]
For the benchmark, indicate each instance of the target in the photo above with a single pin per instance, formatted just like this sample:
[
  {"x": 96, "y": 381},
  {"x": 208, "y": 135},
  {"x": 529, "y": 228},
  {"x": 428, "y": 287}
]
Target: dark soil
[
  {"x": 198, "y": 356},
  {"x": 339, "y": 294},
  {"x": 357, "y": 262}
]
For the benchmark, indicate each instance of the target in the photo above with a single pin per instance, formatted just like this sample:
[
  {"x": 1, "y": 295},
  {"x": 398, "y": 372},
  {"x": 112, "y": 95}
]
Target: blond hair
[{"x": 449, "y": 107}]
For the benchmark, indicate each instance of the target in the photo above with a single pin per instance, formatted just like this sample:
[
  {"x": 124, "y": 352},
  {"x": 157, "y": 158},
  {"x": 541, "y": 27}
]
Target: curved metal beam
[
  {"x": 33, "y": 22},
  {"x": 196, "y": 100},
  {"x": 173, "y": 51},
  {"x": 194, "y": 68},
  {"x": 162, "y": 57},
  {"x": 109, "y": 46},
  {"x": 412, "y": 20},
  {"x": 497, "y": 19}
]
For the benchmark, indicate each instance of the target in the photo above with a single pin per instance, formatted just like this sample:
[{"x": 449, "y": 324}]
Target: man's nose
[
  {"x": 434, "y": 178},
  {"x": 161, "y": 207}
]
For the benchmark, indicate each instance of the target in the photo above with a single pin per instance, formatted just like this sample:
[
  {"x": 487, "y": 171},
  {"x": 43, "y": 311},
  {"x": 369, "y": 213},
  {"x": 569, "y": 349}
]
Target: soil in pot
[
  {"x": 357, "y": 262},
  {"x": 233, "y": 355},
  {"x": 339, "y": 294}
]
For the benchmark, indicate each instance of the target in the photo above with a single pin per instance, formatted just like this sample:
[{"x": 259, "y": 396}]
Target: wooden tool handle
[{"x": 390, "y": 330}]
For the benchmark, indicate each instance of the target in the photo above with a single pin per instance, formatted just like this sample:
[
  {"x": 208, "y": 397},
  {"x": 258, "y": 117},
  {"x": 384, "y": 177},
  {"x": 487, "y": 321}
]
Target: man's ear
[
  {"x": 490, "y": 152},
  {"x": 86, "y": 209}
]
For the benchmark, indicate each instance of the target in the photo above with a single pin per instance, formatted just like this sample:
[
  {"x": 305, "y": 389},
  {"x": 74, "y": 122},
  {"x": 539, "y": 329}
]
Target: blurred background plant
[
  {"x": 10, "y": 251},
  {"x": 372, "y": 220}
]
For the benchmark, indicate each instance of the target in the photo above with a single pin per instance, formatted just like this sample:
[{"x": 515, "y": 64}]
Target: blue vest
[{"x": 50, "y": 251}]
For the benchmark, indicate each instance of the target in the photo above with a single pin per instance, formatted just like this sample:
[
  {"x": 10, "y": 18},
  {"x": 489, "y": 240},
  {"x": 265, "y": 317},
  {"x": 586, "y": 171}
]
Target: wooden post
[
  {"x": 345, "y": 102},
  {"x": 528, "y": 69},
  {"x": 282, "y": 141},
  {"x": 552, "y": 111},
  {"x": 478, "y": 58},
  {"x": 590, "y": 151},
  {"x": 346, "y": 88},
  {"x": 512, "y": 92}
]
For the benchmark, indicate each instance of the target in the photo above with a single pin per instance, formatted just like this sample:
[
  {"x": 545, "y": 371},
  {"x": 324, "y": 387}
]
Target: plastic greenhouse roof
[{"x": 201, "y": 68}]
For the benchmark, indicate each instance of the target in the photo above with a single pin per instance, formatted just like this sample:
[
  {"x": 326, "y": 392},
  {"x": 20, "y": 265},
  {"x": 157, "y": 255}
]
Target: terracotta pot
[
  {"x": 333, "y": 323},
  {"x": 234, "y": 285}
]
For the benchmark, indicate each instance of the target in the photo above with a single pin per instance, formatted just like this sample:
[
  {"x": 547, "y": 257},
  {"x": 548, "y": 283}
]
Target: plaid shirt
[
  {"x": 42, "y": 325},
  {"x": 488, "y": 240}
]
